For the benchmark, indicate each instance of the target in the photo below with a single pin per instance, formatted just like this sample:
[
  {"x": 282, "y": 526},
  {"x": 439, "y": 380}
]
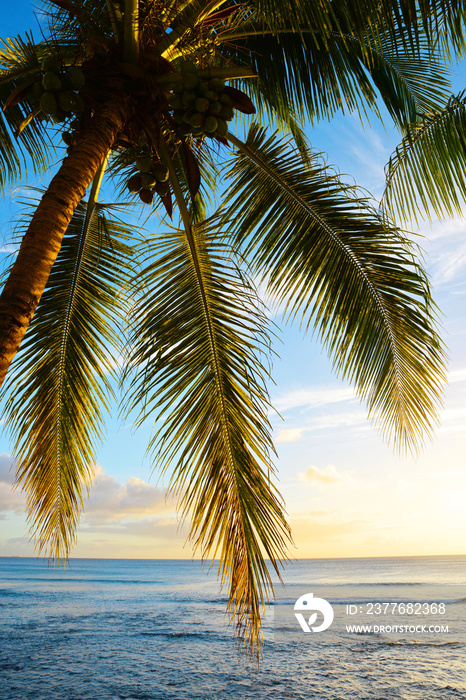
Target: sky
[{"x": 347, "y": 494}]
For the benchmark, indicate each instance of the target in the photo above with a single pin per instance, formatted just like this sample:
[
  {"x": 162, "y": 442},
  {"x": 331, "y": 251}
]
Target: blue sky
[{"x": 346, "y": 492}]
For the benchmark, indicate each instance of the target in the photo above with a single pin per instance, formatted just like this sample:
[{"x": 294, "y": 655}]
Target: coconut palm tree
[{"x": 147, "y": 91}]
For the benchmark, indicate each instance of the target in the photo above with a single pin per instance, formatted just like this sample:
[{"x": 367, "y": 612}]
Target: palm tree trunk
[{"x": 42, "y": 241}]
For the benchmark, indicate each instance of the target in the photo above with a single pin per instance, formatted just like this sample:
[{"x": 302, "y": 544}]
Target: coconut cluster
[
  {"x": 151, "y": 179},
  {"x": 57, "y": 91},
  {"x": 200, "y": 107}
]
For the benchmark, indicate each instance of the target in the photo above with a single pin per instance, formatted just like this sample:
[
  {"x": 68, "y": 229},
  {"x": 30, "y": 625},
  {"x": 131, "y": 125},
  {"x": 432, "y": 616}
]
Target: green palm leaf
[
  {"x": 296, "y": 77},
  {"x": 331, "y": 260},
  {"x": 197, "y": 340},
  {"x": 60, "y": 380},
  {"x": 426, "y": 174},
  {"x": 19, "y": 61}
]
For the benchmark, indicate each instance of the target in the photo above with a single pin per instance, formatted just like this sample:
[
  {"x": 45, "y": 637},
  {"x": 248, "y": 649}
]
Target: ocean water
[{"x": 156, "y": 630}]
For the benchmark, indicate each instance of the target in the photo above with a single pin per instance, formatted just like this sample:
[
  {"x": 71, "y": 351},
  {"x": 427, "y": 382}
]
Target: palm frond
[
  {"x": 426, "y": 174},
  {"x": 299, "y": 78},
  {"x": 366, "y": 19},
  {"x": 197, "y": 344},
  {"x": 59, "y": 386},
  {"x": 19, "y": 60},
  {"x": 332, "y": 260}
]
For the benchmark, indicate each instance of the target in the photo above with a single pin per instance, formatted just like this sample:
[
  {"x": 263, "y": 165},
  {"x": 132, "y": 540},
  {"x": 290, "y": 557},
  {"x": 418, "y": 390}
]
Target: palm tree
[{"x": 146, "y": 92}]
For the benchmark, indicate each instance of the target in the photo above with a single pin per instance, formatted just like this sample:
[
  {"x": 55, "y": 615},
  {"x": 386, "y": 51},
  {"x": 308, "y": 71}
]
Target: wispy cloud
[
  {"x": 312, "y": 398},
  {"x": 328, "y": 475},
  {"x": 289, "y": 435},
  {"x": 111, "y": 502}
]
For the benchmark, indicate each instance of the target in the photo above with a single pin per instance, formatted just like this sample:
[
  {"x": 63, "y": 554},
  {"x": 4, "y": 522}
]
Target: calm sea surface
[{"x": 155, "y": 630}]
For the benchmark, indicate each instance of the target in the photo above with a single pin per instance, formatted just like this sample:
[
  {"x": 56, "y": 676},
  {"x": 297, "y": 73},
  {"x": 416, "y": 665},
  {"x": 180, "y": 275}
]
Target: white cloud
[
  {"x": 328, "y": 475},
  {"x": 312, "y": 398},
  {"x": 110, "y": 501},
  {"x": 289, "y": 435}
]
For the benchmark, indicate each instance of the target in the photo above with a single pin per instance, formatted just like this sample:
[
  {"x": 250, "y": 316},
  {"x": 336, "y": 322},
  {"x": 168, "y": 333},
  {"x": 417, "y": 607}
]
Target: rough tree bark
[{"x": 42, "y": 241}]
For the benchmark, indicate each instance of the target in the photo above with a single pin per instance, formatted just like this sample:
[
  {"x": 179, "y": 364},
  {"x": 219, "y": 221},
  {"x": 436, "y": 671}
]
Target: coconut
[
  {"x": 202, "y": 88},
  {"x": 37, "y": 91},
  {"x": 143, "y": 163},
  {"x": 216, "y": 84},
  {"x": 196, "y": 119},
  {"x": 201, "y": 104},
  {"x": 162, "y": 188},
  {"x": 210, "y": 124},
  {"x": 211, "y": 95},
  {"x": 134, "y": 183},
  {"x": 50, "y": 63},
  {"x": 76, "y": 77},
  {"x": 48, "y": 103},
  {"x": 215, "y": 108},
  {"x": 51, "y": 82},
  {"x": 188, "y": 97},
  {"x": 148, "y": 181},
  {"x": 160, "y": 172},
  {"x": 222, "y": 128},
  {"x": 146, "y": 196},
  {"x": 67, "y": 101},
  {"x": 80, "y": 105}
]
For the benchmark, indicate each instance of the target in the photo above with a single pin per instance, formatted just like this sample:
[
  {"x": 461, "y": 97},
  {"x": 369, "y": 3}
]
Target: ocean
[{"x": 156, "y": 630}]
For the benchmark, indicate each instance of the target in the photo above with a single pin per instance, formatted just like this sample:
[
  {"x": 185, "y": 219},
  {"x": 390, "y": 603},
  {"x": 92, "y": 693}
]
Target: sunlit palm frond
[
  {"x": 59, "y": 386},
  {"x": 347, "y": 74},
  {"x": 331, "y": 260},
  {"x": 426, "y": 174},
  {"x": 197, "y": 344}
]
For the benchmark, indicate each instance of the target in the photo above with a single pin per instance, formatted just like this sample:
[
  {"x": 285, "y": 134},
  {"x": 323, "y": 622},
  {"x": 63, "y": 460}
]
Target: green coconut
[
  {"x": 227, "y": 113},
  {"x": 215, "y": 107},
  {"x": 50, "y": 63},
  {"x": 216, "y": 84},
  {"x": 51, "y": 82},
  {"x": 196, "y": 119},
  {"x": 202, "y": 88},
  {"x": 202, "y": 105},
  {"x": 222, "y": 128},
  {"x": 148, "y": 181},
  {"x": 210, "y": 124},
  {"x": 162, "y": 188},
  {"x": 79, "y": 105},
  {"x": 188, "y": 97},
  {"x": 211, "y": 95},
  {"x": 37, "y": 91},
  {"x": 160, "y": 172},
  {"x": 76, "y": 77},
  {"x": 143, "y": 163},
  {"x": 48, "y": 103}
]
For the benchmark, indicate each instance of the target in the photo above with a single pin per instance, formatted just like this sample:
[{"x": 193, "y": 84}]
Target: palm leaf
[
  {"x": 59, "y": 386},
  {"x": 296, "y": 77},
  {"x": 331, "y": 260},
  {"x": 197, "y": 343},
  {"x": 426, "y": 174},
  {"x": 20, "y": 147}
]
